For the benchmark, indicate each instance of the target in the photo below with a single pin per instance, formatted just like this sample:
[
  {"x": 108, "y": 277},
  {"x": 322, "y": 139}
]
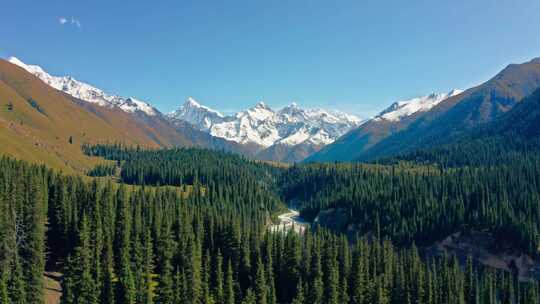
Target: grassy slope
[{"x": 29, "y": 134}]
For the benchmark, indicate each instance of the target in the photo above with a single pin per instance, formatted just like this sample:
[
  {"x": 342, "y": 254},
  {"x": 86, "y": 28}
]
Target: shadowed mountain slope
[{"x": 448, "y": 119}]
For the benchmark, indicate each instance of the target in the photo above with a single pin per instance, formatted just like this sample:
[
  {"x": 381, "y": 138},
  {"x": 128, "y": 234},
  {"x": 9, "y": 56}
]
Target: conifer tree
[
  {"x": 300, "y": 297},
  {"x": 84, "y": 286},
  {"x": 317, "y": 288},
  {"x": 193, "y": 271},
  {"x": 107, "y": 287},
  {"x": 4, "y": 297},
  {"x": 250, "y": 297},
  {"x": 33, "y": 252},
  {"x": 17, "y": 283},
  {"x": 359, "y": 273},
  {"x": 229, "y": 285},
  {"x": 219, "y": 279},
  {"x": 148, "y": 269},
  {"x": 469, "y": 281},
  {"x": 260, "y": 284},
  {"x": 68, "y": 283},
  {"x": 332, "y": 276},
  {"x": 206, "y": 271},
  {"x": 164, "y": 289},
  {"x": 125, "y": 288}
]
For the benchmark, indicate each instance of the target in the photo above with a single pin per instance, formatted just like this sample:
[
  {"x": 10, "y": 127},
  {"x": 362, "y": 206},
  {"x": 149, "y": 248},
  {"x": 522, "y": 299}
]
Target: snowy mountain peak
[
  {"x": 192, "y": 102},
  {"x": 454, "y": 92},
  {"x": 261, "y": 105},
  {"x": 86, "y": 92},
  {"x": 196, "y": 114},
  {"x": 405, "y": 108},
  {"x": 193, "y": 105},
  {"x": 34, "y": 69},
  {"x": 16, "y": 61},
  {"x": 263, "y": 126},
  {"x": 293, "y": 105}
]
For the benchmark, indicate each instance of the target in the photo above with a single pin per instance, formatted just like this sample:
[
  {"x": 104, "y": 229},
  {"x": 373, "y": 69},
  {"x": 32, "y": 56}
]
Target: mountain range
[
  {"x": 267, "y": 130},
  {"x": 447, "y": 119},
  {"x": 49, "y": 110},
  {"x": 289, "y": 135},
  {"x": 44, "y": 119}
]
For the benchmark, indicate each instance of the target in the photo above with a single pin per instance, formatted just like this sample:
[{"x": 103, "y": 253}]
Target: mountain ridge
[
  {"x": 444, "y": 121},
  {"x": 393, "y": 119},
  {"x": 264, "y": 126},
  {"x": 257, "y": 128},
  {"x": 43, "y": 124},
  {"x": 84, "y": 91},
  {"x": 460, "y": 113}
]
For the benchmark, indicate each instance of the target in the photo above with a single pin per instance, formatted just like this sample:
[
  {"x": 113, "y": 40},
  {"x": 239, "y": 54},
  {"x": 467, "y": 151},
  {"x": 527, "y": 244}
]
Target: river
[{"x": 289, "y": 220}]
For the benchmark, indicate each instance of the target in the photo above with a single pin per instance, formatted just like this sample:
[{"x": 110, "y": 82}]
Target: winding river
[{"x": 290, "y": 220}]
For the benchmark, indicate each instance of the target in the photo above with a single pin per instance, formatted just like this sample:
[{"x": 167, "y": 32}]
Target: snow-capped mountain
[
  {"x": 265, "y": 127},
  {"x": 197, "y": 114},
  {"x": 404, "y": 108},
  {"x": 86, "y": 92},
  {"x": 394, "y": 119}
]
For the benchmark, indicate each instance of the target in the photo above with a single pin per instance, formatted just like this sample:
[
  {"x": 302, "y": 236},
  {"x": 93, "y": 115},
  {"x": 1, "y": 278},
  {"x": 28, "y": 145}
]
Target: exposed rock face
[{"x": 485, "y": 250}]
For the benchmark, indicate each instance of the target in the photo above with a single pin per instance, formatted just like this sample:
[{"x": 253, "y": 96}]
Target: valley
[{"x": 105, "y": 199}]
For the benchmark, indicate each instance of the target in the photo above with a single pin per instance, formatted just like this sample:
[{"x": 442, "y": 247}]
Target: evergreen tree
[
  {"x": 83, "y": 286},
  {"x": 219, "y": 279},
  {"x": 148, "y": 269},
  {"x": 125, "y": 288},
  {"x": 229, "y": 285},
  {"x": 33, "y": 252},
  {"x": 17, "y": 283},
  {"x": 300, "y": 297},
  {"x": 193, "y": 272},
  {"x": 250, "y": 297},
  {"x": 260, "y": 284},
  {"x": 164, "y": 290},
  {"x": 317, "y": 287},
  {"x": 107, "y": 288}
]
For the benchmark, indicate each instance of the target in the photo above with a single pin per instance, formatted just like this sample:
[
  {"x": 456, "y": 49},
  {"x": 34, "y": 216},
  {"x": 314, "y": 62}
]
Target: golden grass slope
[{"x": 44, "y": 136}]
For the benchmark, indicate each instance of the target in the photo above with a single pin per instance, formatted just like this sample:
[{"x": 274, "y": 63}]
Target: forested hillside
[
  {"x": 511, "y": 137},
  {"x": 422, "y": 204},
  {"x": 202, "y": 237},
  {"x": 484, "y": 183}
]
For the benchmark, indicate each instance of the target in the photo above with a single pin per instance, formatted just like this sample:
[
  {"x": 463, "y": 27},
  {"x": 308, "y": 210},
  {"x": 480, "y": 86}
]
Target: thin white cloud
[
  {"x": 75, "y": 22},
  {"x": 71, "y": 20}
]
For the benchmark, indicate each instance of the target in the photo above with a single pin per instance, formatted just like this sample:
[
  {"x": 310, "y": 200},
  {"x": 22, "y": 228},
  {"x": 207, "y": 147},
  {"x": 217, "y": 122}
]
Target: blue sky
[{"x": 357, "y": 56}]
